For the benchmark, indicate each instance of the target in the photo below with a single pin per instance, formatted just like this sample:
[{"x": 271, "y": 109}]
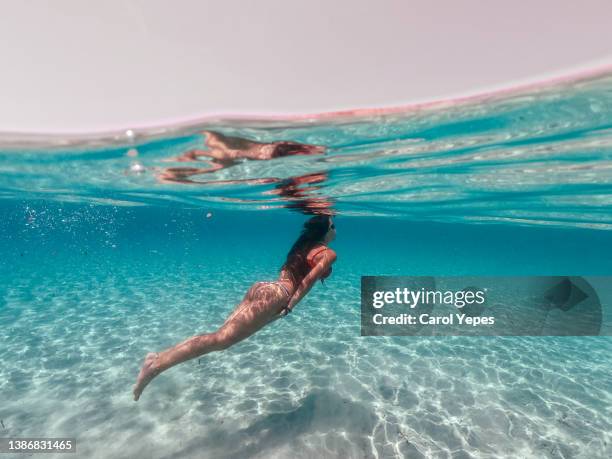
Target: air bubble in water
[
  {"x": 136, "y": 168},
  {"x": 596, "y": 107},
  {"x": 209, "y": 215}
]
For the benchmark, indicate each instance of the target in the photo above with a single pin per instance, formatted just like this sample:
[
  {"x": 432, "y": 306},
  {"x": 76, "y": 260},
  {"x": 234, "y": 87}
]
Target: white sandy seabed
[{"x": 307, "y": 386}]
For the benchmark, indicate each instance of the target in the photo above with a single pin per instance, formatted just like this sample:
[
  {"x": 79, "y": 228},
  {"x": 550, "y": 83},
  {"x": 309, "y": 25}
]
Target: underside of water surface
[
  {"x": 117, "y": 245},
  {"x": 538, "y": 156}
]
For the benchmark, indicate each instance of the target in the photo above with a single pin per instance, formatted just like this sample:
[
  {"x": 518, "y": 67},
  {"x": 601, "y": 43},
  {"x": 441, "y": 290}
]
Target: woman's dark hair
[
  {"x": 313, "y": 233},
  {"x": 282, "y": 149},
  {"x": 287, "y": 149}
]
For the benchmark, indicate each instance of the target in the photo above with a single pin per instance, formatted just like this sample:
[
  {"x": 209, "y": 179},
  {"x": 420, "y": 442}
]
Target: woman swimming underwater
[{"x": 309, "y": 259}]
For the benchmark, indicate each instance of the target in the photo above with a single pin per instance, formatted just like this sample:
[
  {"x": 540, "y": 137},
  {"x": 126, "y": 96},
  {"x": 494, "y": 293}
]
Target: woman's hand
[{"x": 280, "y": 315}]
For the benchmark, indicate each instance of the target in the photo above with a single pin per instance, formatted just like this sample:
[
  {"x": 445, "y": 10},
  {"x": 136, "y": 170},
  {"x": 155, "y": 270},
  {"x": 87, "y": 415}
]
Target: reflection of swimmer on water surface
[
  {"x": 226, "y": 151},
  {"x": 310, "y": 259},
  {"x": 300, "y": 191}
]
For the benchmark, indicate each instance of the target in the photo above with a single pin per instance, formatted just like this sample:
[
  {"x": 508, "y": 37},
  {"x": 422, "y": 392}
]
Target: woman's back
[{"x": 301, "y": 260}]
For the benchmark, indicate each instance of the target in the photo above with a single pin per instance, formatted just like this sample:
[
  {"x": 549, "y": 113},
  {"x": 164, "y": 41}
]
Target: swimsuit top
[{"x": 310, "y": 260}]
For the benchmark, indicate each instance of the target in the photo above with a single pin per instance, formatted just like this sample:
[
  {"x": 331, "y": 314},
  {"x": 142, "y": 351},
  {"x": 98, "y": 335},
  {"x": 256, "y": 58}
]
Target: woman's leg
[{"x": 260, "y": 306}]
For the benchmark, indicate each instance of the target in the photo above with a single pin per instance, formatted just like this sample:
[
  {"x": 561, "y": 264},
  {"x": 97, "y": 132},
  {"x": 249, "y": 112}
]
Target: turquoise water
[{"x": 103, "y": 262}]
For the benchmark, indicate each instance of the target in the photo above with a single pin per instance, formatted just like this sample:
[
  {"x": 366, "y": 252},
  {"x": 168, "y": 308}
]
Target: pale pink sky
[{"x": 76, "y": 65}]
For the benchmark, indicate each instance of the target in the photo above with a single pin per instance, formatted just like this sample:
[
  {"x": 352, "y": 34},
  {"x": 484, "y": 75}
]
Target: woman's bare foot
[{"x": 149, "y": 370}]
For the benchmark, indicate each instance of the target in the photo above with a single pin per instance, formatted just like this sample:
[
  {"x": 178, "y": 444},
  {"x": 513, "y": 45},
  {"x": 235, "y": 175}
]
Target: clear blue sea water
[{"x": 101, "y": 262}]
